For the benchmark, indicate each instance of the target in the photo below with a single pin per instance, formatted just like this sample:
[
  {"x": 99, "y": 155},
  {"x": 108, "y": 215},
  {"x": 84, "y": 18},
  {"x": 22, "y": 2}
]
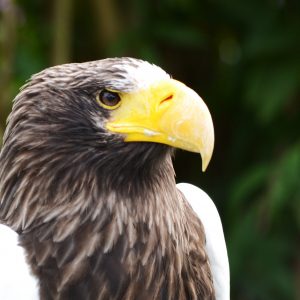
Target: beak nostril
[{"x": 168, "y": 98}]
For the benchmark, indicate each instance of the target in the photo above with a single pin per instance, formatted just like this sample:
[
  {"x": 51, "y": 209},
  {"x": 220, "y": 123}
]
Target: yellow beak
[{"x": 166, "y": 112}]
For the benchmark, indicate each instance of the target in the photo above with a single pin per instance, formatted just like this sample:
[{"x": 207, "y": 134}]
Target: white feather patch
[
  {"x": 215, "y": 241},
  {"x": 16, "y": 281},
  {"x": 145, "y": 74}
]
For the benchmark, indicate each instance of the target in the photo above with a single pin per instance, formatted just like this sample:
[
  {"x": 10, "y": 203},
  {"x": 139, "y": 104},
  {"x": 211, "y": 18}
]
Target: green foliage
[{"x": 243, "y": 57}]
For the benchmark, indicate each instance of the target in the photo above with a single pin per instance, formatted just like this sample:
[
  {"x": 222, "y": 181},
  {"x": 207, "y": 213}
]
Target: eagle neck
[{"x": 136, "y": 247}]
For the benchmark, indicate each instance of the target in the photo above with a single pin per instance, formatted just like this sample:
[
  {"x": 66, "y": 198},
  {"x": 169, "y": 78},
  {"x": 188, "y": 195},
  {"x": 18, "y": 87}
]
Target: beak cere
[{"x": 166, "y": 112}]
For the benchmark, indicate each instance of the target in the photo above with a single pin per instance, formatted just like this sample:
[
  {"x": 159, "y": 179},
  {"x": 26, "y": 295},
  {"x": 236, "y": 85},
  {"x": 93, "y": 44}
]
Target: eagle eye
[{"x": 109, "y": 99}]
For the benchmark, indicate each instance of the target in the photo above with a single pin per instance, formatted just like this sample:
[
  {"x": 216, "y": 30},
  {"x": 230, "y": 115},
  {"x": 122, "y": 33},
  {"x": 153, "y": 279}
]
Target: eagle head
[
  {"x": 86, "y": 179},
  {"x": 115, "y": 120}
]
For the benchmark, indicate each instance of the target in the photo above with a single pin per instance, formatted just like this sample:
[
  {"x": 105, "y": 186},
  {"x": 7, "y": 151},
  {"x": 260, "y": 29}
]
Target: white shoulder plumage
[
  {"x": 16, "y": 281},
  {"x": 215, "y": 241}
]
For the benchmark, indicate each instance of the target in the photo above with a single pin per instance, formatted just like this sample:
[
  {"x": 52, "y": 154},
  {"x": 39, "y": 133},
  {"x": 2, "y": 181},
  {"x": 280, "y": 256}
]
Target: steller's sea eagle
[{"x": 87, "y": 187}]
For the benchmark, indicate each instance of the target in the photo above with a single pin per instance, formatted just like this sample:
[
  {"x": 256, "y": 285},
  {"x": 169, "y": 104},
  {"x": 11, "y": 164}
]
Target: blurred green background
[{"x": 243, "y": 58}]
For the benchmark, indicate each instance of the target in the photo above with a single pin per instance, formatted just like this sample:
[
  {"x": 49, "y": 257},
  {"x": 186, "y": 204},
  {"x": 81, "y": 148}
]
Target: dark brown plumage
[{"x": 99, "y": 218}]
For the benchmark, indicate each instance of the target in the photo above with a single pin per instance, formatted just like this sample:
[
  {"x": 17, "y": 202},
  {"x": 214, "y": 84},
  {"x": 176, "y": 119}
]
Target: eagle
[{"x": 89, "y": 204}]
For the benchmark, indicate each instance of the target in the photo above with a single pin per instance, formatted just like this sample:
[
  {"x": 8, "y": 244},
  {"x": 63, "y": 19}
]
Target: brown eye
[{"x": 108, "y": 99}]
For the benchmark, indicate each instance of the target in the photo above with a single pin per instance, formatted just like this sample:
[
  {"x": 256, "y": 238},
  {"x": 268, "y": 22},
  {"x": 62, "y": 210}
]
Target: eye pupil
[{"x": 109, "y": 98}]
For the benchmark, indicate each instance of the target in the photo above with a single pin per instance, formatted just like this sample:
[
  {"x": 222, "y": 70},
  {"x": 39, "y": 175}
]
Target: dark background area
[{"x": 243, "y": 58}]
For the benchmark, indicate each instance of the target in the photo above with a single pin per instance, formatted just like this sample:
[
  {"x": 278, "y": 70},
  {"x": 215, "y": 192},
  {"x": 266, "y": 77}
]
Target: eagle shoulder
[
  {"x": 16, "y": 281},
  {"x": 215, "y": 246}
]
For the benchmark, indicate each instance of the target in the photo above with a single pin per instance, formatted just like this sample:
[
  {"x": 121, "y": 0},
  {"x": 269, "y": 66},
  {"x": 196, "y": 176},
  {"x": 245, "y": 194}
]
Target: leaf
[
  {"x": 270, "y": 88},
  {"x": 249, "y": 183},
  {"x": 284, "y": 184}
]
